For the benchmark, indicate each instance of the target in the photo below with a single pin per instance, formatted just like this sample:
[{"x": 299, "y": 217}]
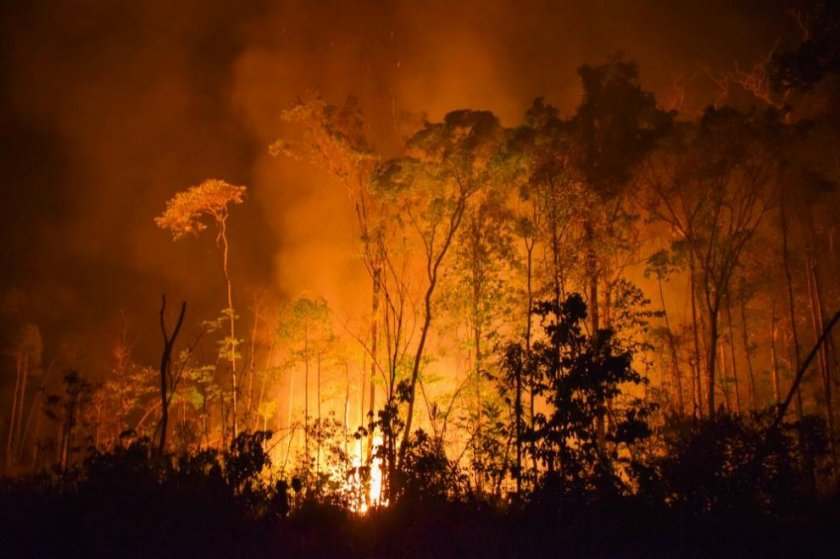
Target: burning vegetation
[{"x": 601, "y": 331}]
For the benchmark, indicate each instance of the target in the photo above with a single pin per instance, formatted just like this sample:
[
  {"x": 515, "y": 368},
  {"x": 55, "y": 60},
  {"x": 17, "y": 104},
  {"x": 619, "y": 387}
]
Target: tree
[
  {"x": 614, "y": 128},
  {"x": 167, "y": 382},
  {"x": 27, "y": 354},
  {"x": 306, "y": 331},
  {"x": 335, "y": 139},
  {"x": 445, "y": 165},
  {"x": 818, "y": 53},
  {"x": 185, "y": 215},
  {"x": 580, "y": 375},
  {"x": 660, "y": 264},
  {"x": 68, "y": 410},
  {"x": 477, "y": 295},
  {"x": 711, "y": 184}
]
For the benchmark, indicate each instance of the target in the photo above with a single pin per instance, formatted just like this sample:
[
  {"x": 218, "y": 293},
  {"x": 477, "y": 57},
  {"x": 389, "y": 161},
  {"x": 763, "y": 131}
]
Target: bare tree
[{"x": 166, "y": 379}]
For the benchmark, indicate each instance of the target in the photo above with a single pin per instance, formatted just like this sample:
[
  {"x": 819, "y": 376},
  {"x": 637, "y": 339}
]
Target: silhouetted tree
[
  {"x": 580, "y": 376},
  {"x": 167, "y": 385}
]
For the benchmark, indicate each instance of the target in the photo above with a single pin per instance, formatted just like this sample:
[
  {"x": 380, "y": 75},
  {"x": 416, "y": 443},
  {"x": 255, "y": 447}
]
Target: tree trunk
[
  {"x": 594, "y": 324},
  {"x": 790, "y": 298},
  {"x": 346, "y": 415},
  {"x": 21, "y": 405},
  {"x": 818, "y": 322},
  {"x": 712, "y": 360},
  {"x": 165, "y": 365},
  {"x": 318, "y": 410},
  {"x": 721, "y": 376},
  {"x": 225, "y": 248},
  {"x": 673, "y": 349},
  {"x": 698, "y": 365},
  {"x": 433, "y": 263},
  {"x": 746, "y": 342},
  {"x": 252, "y": 364},
  {"x": 291, "y": 397},
  {"x": 13, "y": 415},
  {"x": 374, "y": 339},
  {"x": 477, "y": 373},
  {"x": 527, "y": 364},
  {"x": 415, "y": 373},
  {"x": 732, "y": 355},
  {"x": 774, "y": 357},
  {"x": 35, "y": 436},
  {"x": 306, "y": 398}
]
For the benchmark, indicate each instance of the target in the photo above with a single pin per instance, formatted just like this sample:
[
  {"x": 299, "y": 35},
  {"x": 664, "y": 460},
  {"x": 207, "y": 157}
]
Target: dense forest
[{"x": 607, "y": 332}]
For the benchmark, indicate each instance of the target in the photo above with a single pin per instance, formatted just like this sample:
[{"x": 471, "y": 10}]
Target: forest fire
[{"x": 363, "y": 280}]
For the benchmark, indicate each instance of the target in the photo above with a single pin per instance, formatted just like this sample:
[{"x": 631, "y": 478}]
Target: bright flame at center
[{"x": 374, "y": 494}]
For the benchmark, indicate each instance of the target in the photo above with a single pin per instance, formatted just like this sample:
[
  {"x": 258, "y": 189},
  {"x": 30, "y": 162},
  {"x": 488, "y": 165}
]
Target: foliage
[
  {"x": 582, "y": 378},
  {"x": 184, "y": 213},
  {"x": 734, "y": 463},
  {"x": 426, "y": 473},
  {"x": 615, "y": 126},
  {"x": 818, "y": 54}
]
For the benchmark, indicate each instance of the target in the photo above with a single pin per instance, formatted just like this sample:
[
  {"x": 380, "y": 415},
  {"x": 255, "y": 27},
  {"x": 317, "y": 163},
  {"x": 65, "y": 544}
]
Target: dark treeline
[{"x": 603, "y": 333}]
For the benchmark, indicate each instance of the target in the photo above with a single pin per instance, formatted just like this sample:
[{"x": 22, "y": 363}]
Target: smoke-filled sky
[{"x": 107, "y": 108}]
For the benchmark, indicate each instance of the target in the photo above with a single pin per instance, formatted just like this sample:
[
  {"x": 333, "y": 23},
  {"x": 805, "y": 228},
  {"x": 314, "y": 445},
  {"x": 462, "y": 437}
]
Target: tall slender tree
[{"x": 184, "y": 215}]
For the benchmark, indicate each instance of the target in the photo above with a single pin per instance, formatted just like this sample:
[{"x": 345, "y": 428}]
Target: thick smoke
[{"x": 109, "y": 108}]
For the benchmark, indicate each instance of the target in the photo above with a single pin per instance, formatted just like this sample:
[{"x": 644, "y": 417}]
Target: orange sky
[{"x": 109, "y": 108}]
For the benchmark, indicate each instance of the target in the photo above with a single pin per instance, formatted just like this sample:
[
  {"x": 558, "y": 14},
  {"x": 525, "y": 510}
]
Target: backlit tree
[{"x": 187, "y": 214}]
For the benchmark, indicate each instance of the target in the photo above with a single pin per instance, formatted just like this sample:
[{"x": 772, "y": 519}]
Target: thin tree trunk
[
  {"x": 732, "y": 355},
  {"x": 826, "y": 348},
  {"x": 34, "y": 411},
  {"x": 721, "y": 376},
  {"x": 252, "y": 362},
  {"x": 98, "y": 426},
  {"x": 817, "y": 320},
  {"x": 35, "y": 441},
  {"x": 527, "y": 365},
  {"x": 346, "y": 415},
  {"x": 306, "y": 397},
  {"x": 791, "y": 304},
  {"x": 673, "y": 347},
  {"x": 433, "y": 263},
  {"x": 13, "y": 415},
  {"x": 774, "y": 357},
  {"x": 712, "y": 360},
  {"x": 427, "y": 321},
  {"x": 555, "y": 242},
  {"x": 224, "y": 247},
  {"x": 374, "y": 339},
  {"x": 206, "y": 414},
  {"x": 21, "y": 405},
  {"x": 592, "y": 277},
  {"x": 745, "y": 339},
  {"x": 291, "y": 397},
  {"x": 223, "y": 418},
  {"x": 477, "y": 372},
  {"x": 794, "y": 389},
  {"x": 318, "y": 408},
  {"x": 517, "y": 410},
  {"x": 165, "y": 364},
  {"x": 698, "y": 365}
]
